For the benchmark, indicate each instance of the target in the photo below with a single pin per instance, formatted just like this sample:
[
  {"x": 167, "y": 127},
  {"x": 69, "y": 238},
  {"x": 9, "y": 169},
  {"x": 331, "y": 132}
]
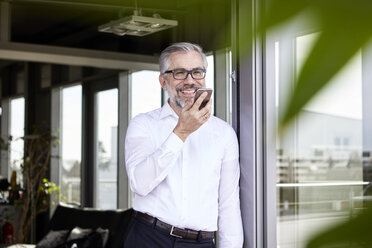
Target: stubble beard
[{"x": 175, "y": 98}]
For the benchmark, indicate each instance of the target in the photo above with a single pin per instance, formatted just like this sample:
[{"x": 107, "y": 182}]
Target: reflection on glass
[
  {"x": 106, "y": 149},
  {"x": 17, "y": 126},
  {"x": 319, "y": 160},
  {"x": 71, "y": 144}
]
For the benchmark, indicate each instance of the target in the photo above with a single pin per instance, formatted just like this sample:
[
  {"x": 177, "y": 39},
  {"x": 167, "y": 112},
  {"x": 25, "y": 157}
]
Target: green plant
[{"x": 37, "y": 189}]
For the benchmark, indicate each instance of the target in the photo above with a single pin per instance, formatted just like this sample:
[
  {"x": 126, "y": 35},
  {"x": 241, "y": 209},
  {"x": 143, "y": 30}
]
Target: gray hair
[{"x": 179, "y": 47}]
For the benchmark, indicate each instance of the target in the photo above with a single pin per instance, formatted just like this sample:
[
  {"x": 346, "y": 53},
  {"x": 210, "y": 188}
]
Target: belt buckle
[{"x": 174, "y": 235}]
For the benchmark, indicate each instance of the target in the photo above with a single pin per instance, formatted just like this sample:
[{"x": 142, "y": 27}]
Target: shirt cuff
[{"x": 174, "y": 143}]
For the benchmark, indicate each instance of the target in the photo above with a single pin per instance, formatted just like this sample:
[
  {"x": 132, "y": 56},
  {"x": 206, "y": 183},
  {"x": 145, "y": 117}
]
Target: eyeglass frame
[{"x": 188, "y": 72}]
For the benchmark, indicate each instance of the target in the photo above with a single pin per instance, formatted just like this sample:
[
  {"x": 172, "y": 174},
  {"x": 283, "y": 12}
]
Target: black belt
[{"x": 175, "y": 231}]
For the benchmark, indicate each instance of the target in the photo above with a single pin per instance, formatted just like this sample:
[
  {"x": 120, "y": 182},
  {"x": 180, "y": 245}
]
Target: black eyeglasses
[{"x": 181, "y": 74}]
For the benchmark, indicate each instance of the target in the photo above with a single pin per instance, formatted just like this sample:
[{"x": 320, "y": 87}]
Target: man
[{"x": 182, "y": 164}]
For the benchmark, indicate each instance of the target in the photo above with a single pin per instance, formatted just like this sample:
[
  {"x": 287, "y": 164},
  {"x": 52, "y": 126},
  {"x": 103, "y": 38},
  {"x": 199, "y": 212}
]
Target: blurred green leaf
[
  {"x": 329, "y": 56},
  {"x": 354, "y": 233},
  {"x": 345, "y": 29},
  {"x": 279, "y": 11}
]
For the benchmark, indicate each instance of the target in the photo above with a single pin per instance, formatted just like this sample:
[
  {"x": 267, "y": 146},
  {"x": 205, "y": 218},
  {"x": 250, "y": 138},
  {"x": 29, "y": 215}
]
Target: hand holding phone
[{"x": 206, "y": 99}]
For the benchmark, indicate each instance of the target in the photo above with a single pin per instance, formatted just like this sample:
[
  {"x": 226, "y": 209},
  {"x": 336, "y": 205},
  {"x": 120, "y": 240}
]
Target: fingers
[
  {"x": 191, "y": 110},
  {"x": 191, "y": 118},
  {"x": 205, "y": 117},
  {"x": 199, "y": 101},
  {"x": 206, "y": 111},
  {"x": 207, "y": 108},
  {"x": 209, "y": 105}
]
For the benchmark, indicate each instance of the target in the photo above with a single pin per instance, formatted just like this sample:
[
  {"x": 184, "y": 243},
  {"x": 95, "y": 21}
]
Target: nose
[{"x": 189, "y": 78}]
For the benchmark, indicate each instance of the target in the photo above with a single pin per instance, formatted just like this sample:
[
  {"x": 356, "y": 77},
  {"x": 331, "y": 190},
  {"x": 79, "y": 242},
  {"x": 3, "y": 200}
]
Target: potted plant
[{"x": 37, "y": 189}]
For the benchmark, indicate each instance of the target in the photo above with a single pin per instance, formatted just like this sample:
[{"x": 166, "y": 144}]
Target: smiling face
[{"x": 181, "y": 91}]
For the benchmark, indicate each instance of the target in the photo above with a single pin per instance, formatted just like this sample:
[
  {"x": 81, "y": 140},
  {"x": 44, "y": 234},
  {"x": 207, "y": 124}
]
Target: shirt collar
[{"x": 167, "y": 110}]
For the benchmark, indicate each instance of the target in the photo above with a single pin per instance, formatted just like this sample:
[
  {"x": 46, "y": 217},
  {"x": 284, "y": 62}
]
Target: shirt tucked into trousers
[
  {"x": 192, "y": 184},
  {"x": 146, "y": 235}
]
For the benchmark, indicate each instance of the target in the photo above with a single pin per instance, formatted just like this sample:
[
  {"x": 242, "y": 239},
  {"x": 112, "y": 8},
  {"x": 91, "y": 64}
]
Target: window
[
  {"x": 209, "y": 78},
  {"x": 146, "y": 92},
  {"x": 16, "y": 131},
  {"x": 319, "y": 161},
  {"x": 106, "y": 150},
  {"x": 70, "y": 123}
]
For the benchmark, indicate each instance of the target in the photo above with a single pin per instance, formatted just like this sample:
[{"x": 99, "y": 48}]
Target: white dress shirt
[{"x": 192, "y": 184}]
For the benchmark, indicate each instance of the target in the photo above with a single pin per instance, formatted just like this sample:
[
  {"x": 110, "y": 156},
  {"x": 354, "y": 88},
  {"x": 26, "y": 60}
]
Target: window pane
[
  {"x": 71, "y": 144},
  {"x": 209, "y": 78},
  {"x": 146, "y": 92},
  {"x": 17, "y": 127},
  {"x": 106, "y": 149},
  {"x": 319, "y": 160}
]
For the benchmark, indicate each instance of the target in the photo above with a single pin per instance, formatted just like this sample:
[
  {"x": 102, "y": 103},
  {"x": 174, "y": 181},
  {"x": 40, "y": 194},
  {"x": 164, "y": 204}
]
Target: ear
[{"x": 162, "y": 82}]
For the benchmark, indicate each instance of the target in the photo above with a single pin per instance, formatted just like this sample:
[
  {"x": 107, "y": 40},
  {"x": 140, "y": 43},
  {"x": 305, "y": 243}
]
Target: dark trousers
[{"x": 145, "y": 235}]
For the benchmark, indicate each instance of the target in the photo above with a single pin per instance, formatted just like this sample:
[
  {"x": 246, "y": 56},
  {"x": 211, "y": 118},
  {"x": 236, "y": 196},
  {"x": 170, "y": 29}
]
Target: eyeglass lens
[{"x": 182, "y": 74}]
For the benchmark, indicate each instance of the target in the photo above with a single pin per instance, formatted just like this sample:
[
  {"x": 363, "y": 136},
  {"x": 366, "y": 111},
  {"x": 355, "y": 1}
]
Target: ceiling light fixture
[{"x": 137, "y": 25}]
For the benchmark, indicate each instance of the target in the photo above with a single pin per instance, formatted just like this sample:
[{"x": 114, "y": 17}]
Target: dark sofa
[{"x": 117, "y": 221}]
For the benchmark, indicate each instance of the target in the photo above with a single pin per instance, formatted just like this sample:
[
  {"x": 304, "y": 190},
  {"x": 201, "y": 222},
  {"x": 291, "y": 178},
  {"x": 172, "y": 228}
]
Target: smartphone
[{"x": 206, "y": 99}]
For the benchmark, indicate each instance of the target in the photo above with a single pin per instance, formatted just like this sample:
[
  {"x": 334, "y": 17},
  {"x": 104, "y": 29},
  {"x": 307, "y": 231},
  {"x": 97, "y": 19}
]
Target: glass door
[{"x": 321, "y": 158}]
